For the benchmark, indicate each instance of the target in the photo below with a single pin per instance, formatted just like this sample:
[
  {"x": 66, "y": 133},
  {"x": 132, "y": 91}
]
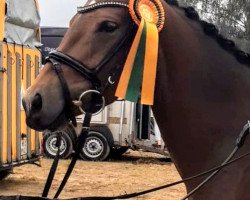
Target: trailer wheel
[
  {"x": 96, "y": 146},
  {"x": 49, "y": 145},
  {"x": 4, "y": 174}
]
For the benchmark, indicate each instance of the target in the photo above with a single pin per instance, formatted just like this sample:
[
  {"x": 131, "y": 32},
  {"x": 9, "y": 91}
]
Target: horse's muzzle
[{"x": 32, "y": 107}]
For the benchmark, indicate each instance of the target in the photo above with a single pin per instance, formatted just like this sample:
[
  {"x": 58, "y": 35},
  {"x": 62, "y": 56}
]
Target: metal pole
[
  {"x": 132, "y": 117},
  {"x": 121, "y": 121}
]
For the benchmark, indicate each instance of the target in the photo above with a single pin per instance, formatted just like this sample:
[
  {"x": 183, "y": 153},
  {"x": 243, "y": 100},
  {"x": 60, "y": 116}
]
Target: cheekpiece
[{"x": 94, "y": 6}]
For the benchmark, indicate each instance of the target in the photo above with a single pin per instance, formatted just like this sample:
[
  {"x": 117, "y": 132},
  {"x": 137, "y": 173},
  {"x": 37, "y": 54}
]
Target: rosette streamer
[{"x": 137, "y": 80}]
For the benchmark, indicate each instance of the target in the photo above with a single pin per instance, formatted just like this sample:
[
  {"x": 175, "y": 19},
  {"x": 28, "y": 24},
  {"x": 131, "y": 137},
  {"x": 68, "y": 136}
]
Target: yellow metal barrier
[
  {"x": 19, "y": 65},
  {"x": 2, "y": 17}
]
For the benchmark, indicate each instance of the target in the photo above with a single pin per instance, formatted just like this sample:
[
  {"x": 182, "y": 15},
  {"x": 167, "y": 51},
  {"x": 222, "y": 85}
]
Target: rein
[{"x": 213, "y": 171}]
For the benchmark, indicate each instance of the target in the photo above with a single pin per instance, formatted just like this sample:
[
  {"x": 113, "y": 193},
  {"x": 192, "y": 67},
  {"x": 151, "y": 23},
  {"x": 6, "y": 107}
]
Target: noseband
[
  {"x": 57, "y": 58},
  {"x": 87, "y": 73}
]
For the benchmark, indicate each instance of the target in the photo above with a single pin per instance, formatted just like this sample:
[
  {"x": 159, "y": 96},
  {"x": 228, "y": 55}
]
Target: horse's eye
[{"x": 108, "y": 27}]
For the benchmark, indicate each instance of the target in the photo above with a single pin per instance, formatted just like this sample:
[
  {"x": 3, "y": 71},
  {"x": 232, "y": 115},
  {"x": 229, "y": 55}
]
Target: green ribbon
[{"x": 135, "y": 81}]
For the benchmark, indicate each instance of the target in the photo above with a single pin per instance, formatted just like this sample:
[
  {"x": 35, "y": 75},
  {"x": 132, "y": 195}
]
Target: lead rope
[
  {"x": 78, "y": 148},
  {"x": 136, "y": 194},
  {"x": 211, "y": 175},
  {"x": 53, "y": 167},
  {"x": 239, "y": 143}
]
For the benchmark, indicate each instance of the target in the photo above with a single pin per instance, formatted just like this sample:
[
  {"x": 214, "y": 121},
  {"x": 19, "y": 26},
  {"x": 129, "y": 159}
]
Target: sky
[{"x": 58, "y": 13}]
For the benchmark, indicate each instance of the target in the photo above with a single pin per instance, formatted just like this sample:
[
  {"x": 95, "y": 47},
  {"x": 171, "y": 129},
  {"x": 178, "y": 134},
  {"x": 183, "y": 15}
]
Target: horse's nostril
[{"x": 36, "y": 104}]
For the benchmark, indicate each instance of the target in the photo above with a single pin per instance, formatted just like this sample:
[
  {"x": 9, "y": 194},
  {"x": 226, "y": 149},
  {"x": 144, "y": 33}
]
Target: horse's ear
[{"x": 72, "y": 20}]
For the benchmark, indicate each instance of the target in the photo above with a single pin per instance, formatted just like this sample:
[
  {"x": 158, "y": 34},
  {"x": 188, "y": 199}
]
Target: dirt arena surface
[{"x": 135, "y": 171}]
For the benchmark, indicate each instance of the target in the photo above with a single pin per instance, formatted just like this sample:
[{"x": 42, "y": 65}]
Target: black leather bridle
[{"x": 57, "y": 58}]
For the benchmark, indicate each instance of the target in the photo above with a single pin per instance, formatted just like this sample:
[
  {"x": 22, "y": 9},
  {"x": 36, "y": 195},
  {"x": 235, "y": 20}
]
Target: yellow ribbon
[
  {"x": 125, "y": 76},
  {"x": 143, "y": 53},
  {"x": 150, "y": 65}
]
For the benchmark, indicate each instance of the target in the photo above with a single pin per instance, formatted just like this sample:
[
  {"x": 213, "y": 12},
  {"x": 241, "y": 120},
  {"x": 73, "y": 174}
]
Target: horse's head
[{"x": 98, "y": 40}]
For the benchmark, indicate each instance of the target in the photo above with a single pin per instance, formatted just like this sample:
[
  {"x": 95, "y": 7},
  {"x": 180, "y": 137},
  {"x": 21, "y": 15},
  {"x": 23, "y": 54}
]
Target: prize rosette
[{"x": 137, "y": 80}]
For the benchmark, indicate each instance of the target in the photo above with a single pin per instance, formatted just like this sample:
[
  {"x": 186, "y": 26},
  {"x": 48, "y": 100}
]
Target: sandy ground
[{"x": 135, "y": 171}]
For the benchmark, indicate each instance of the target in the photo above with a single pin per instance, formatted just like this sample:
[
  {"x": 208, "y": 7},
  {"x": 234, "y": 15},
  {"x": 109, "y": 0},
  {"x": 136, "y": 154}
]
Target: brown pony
[{"x": 202, "y": 91}]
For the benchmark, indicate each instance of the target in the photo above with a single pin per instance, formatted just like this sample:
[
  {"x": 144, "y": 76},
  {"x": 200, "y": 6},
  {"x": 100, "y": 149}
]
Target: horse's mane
[{"x": 211, "y": 30}]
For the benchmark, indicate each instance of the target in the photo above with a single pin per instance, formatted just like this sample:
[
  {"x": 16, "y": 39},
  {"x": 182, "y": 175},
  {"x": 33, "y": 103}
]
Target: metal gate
[{"x": 19, "y": 66}]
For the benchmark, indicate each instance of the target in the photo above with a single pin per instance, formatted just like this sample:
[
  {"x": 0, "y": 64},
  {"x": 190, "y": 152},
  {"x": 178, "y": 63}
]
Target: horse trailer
[
  {"x": 19, "y": 65},
  {"x": 123, "y": 125}
]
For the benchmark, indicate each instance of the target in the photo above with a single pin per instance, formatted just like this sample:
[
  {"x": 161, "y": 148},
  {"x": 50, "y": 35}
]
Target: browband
[{"x": 83, "y": 9}]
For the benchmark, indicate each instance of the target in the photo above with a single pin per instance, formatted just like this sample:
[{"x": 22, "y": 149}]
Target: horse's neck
[{"x": 202, "y": 95}]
